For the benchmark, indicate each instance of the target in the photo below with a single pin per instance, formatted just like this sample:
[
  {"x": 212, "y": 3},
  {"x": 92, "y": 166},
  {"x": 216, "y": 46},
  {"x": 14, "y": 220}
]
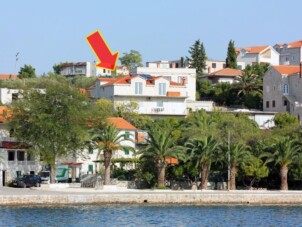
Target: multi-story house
[
  {"x": 171, "y": 71},
  {"x": 87, "y": 69},
  {"x": 290, "y": 53},
  {"x": 154, "y": 95},
  {"x": 216, "y": 65},
  {"x": 282, "y": 90},
  {"x": 226, "y": 75},
  {"x": 87, "y": 161},
  {"x": 258, "y": 54},
  {"x": 14, "y": 159}
]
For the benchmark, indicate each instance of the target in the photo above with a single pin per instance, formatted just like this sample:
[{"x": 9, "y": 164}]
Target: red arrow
[{"x": 101, "y": 49}]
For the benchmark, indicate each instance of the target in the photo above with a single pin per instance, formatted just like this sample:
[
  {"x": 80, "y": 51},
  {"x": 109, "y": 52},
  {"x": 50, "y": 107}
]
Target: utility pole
[
  {"x": 17, "y": 58},
  {"x": 229, "y": 159}
]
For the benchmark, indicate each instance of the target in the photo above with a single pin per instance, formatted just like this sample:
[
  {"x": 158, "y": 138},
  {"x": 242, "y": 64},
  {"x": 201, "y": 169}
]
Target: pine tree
[
  {"x": 198, "y": 57},
  {"x": 231, "y": 60}
]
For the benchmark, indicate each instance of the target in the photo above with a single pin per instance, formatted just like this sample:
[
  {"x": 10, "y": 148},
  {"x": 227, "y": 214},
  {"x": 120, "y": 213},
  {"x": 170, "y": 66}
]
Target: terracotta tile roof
[
  {"x": 287, "y": 69},
  {"x": 295, "y": 44},
  {"x": 253, "y": 49},
  {"x": 227, "y": 72},
  {"x": 128, "y": 78},
  {"x": 172, "y": 161},
  {"x": 8, "y": 76},
  {"x": 121, "y": 123},
  {"x": 3, "y": 111}
]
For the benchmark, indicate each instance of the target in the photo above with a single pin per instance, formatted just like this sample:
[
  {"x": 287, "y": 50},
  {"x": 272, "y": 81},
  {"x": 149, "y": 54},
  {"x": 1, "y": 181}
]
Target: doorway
[{"x": 3, "y": 178}]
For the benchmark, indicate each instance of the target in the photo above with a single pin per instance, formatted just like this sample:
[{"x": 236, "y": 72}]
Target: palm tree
[
  {"x": 236, "y": 154},
  {"x": 203, "y": 152},
  {"x": 286, "y": 151},
  {"x": 161, "y": 145},
  {"x": 108, "y": 140},
  {"x": 248, "y": 83}
]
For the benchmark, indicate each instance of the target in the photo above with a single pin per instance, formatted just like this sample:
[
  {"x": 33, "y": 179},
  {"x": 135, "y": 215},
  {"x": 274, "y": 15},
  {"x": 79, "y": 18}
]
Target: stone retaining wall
[{"x": 155, "y": 198}]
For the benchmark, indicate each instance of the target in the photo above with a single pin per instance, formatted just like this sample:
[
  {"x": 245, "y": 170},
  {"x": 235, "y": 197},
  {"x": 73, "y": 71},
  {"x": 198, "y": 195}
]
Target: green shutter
[
  {"x": 127, "y": 135},
  {"x": 126, "y": 151},
  {"x": 90, "y": 150},
  {"x": 90, "y": 168}
]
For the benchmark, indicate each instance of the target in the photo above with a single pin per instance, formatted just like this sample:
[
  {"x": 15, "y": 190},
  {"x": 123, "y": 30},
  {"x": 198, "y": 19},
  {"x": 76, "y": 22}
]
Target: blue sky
[{"x": 49, "y": 32}]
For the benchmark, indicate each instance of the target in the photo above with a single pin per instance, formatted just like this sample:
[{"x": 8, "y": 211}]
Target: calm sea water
[{"x": 135, "y": 215}]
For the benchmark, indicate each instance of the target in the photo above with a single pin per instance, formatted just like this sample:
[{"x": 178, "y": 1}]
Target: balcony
[{"x": 157, "y": 110}]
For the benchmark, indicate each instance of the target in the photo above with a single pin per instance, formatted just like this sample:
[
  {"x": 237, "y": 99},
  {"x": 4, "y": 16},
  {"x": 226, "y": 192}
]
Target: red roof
[
  {"x": 3, "y": 111},
  {"x": 295, "y": 44},
  {"x": 253, "y": 49},
  {"x": 172, "y": 161},
  {"x": 8, "y": 76},
  {"x": 128, "y": 78},
  {"x": 121, "y": 123},
  {"x": 287, "y": 69},
  {"x": 227, "y": 72}
]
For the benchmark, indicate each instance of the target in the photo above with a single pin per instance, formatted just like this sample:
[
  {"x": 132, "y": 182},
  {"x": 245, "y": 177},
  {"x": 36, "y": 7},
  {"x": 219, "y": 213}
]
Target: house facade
[
  {"x": 282, "y": 90},
  {"x": 87, "y": 69},
  {"x": 86, "y": 162},
  {"x": 216, "y": 65},
  {"x": 226, "y": 75},
  {"x": 14, "y": 159},
  {"x": 290, "y": 53},
  {"x": 258, "y": 54},
  {"x": 154, "y": 95}
]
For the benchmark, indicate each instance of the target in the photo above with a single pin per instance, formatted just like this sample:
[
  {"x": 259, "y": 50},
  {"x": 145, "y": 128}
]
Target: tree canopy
[
  {"x": 231, "y": 60},
  {"x": 52, "y": 121},
  {"x": 132, "y": 59},
  {"x": 197, "y": 57},
  {"x": 27, "y": 71}
]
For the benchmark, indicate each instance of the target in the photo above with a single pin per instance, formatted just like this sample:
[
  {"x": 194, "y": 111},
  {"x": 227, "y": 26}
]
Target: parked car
[
  {"x": 45, "y": 176},
  {"x": 28, "y": 181}
]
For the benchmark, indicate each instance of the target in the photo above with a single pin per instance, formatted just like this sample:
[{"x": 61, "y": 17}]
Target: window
[
  {"x": 267, "y": 89},
  {"x": 28, "y": 157},
  {"x": 267, "y": 104},
  {"x": 138, "y": 88},
  {"x": 18, "y": 173},
  {"x": 11, "y": 155},
  {"x": 285, "y": 89},
  {"x": 127, "y": 135},
  {"x": 126, "y": 151},
  {"x": 90, "y": 168},
  {"x": 104, "y": 70},
  {"x": 20, "y": 155},
  {"x": 274, "y": 103},
  {"x": 32, "y": 172},
  {"x": 90, "y": 150},
  {"x": 214, "y": 65},
  {"x": 285, "y": 103},
  {"x": 162, "y": 89},
  {"x": 14, "y": 96},
  {"x": 160, "y": 104}
]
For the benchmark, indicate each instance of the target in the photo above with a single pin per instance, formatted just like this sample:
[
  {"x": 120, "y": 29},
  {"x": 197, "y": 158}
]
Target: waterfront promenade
[{"x": 69, "y": 196}]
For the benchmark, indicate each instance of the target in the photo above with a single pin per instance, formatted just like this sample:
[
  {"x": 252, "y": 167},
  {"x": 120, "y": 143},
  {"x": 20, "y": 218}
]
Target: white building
[
  {"x": 226, "y": 75},
  {"x": 87, "y": 69},
  {"x": 216, "y": 65},
  {"x": 290, "y": 53},
  {"x": 15, "y": 161},
  {"x": 154, "y": 95},
  {"x": 87, "y": 161},
  {"x": 122, "y": 70},
  {"x": 7, "y": 95},
  {"x": 258, "y": 54},
  {"x": 170, "y": 71}
]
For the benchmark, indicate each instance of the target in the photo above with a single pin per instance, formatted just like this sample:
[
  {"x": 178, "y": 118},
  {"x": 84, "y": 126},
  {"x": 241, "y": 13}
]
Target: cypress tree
[
  {"x": 231, "y": 60},
  {"x": 198, "y": 57}
]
